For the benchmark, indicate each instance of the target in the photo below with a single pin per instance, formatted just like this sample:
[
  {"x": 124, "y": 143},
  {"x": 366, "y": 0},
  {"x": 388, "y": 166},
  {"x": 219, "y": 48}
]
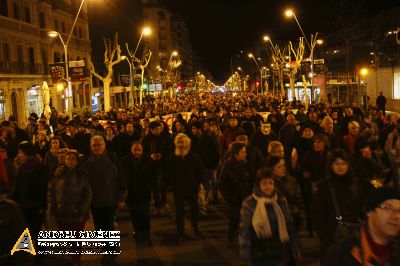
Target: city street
[{"x": 210, "y": 248}]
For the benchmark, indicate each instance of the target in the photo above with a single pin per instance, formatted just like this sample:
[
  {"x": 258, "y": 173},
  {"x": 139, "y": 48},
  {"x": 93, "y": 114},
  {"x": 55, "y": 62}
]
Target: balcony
[
  {"x": 16, "y": 68},
  {"x": 18, "y": 25}
]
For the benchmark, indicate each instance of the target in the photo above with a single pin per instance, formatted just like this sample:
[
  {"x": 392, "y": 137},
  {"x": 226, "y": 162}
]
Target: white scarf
[{"x": 261, "y": 222}]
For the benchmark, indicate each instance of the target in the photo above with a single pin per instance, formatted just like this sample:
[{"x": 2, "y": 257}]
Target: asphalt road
[{"x": 211, "y": 247}]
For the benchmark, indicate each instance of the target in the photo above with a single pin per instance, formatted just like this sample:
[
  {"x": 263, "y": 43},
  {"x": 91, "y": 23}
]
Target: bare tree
[{"x": 112, "y": 57}]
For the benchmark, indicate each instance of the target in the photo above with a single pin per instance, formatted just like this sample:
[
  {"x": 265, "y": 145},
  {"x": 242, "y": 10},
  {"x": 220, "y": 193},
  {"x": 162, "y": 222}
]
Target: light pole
[
  {"x": 146, "y": 31},
  {"x": 290, "y": 13},
  {"x": 363, "y": 73},
  {"x": 259, "y": 69},
  {"x": 55, "y": 34}
]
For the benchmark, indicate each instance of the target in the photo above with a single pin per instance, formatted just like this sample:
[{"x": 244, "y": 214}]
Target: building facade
[{"x": 26, "y": 51}]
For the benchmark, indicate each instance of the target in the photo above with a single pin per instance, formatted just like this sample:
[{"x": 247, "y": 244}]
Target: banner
[{"x": 57, "y": 72}]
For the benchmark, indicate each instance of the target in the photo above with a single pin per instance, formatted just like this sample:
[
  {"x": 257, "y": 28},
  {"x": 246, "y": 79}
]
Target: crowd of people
[{"x": 313, "y": 166}]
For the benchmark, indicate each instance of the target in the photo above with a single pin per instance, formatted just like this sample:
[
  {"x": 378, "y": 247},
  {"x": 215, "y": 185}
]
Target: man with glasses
[{"x": 377, "y": 241}]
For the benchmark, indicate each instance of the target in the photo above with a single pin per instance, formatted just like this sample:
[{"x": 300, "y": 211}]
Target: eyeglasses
[{"x": 389, "y": 209}]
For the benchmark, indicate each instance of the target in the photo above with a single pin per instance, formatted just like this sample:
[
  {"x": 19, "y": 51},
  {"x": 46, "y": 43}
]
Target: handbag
[{"x": 343, "y": 229}]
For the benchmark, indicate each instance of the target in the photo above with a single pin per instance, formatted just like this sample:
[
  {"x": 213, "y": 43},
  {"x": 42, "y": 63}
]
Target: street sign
[
  {"x": 80, "y": 63},
  {"x": 57, "y": 71}
]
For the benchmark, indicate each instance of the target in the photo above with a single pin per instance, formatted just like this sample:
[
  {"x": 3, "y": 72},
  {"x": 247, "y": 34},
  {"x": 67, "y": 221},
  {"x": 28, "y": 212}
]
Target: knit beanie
[{"x": 379, "y": 195}]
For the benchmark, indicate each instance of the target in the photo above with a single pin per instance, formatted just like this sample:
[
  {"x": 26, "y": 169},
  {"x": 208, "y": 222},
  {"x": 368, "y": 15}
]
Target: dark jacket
[
  {"x": 124, "y": 142},
  {"x": 248, "y": 239},
  {"x": 235, "y": 185},
  {"x": 315, "y": 163},
  {"x": 208, "y": 151},
  {"x": 32, "y": 183},
  {"x": 184, "y": 174},
  {"x": 261, "y": 142},
  {"x": 351, "y": 251},
  {"x": 70, "y": 195},
  {"x": 81, "y": 141},
  {"x": 349, "y": 194},
  {"x": 12, "y": 224},
  {"x": 106, "y": 179},
  {"x": 137, "y": 174}
]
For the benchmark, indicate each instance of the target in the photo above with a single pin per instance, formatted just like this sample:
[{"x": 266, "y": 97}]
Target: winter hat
[{"x": 379, "y": 195}]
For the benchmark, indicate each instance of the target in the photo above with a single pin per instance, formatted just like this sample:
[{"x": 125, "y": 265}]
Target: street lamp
[
  {"x": 55, "y": 34},
  {"x": 250, "y": 55},
  {"x": 145, "y": 32},
  {"x": 266, "y": 38},
  {"x": 290, "y": 13},
  {"x": 363, "y": 73}
]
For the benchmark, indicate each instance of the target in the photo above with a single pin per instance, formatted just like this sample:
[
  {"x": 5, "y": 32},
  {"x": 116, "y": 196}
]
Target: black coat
[
  {"x": 184, "y": 174},
  {"x": 208, "y": 151},
  {"x": 235, "y": 184},
  {"x": 261, "y": 142},
  {"x": 81, "y": 141},
  {"x": 124, "y": 142},
  {"x": 31, "y": 185},
  {"x": 349, "y": 194},
  {"x": 137, "y": 174}
]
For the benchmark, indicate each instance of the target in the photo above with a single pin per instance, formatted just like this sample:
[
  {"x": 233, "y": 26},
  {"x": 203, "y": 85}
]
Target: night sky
[{"x": 219, "y": 29}]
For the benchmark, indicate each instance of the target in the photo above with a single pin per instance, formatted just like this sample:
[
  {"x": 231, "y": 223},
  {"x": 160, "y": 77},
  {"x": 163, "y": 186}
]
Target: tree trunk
[
  {"x": 292, "y": 86},
  {"x": 305, "y": 91},
  {"x": 281, "y": 82},
  {"x": 106, "y": 83}
]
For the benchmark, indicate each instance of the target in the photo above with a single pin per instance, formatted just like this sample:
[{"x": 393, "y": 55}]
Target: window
[
  {"x": 80, "y": 33},
  {"x": 63, "y": 27},
  {"x": 16, "y": 10},
  {"x": 6, "y": 52},
  {"x": 42, "y": 20},
  {"x": 4, "y": 8},
  {"x": 20, "y": 57},
  {"x": 396, "y": 85},
  {"x": 56, "y": 24},
  {"x": 74, "y": 31},
  {"x": 31, "y": 53},
  {"x": 27, "y": 12}
]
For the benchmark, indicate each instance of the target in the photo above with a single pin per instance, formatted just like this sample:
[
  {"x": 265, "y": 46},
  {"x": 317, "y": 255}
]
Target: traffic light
[{"x": 62, "y": 84}]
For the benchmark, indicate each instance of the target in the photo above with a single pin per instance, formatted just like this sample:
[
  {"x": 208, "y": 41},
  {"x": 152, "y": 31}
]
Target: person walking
[
  {"x": 71, "y": 196},
  {"x": 137, "y": 170},
  {"x": 235, "y": 185},
  {"x": 108, "y": 188},
  {"x": 184, "y": 172},
  {"x": 267, "y": 234},
  {"x": 381, "y": 103}
]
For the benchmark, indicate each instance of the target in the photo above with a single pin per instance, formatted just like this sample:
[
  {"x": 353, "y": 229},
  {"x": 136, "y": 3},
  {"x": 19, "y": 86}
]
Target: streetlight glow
[
  {"x": 251, "y": 55},
  {"x": 146, "y": 31},
  {"x": 289, "y": 13},
  {"x": 266, "y": 38},
  {"x": 174, "y": 53},
  {"x": 53, "y": 34},
  {"x": 363, "y": 71},
  {"x": 320, "y": 41}
]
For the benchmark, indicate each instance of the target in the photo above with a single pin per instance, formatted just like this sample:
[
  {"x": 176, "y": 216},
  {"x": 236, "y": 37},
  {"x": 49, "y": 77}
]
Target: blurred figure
[{"x": 71, "y": 196}]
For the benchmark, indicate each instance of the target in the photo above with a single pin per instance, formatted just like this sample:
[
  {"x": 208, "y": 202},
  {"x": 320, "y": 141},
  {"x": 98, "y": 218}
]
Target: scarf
[{"x": 261, "y": 222}]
